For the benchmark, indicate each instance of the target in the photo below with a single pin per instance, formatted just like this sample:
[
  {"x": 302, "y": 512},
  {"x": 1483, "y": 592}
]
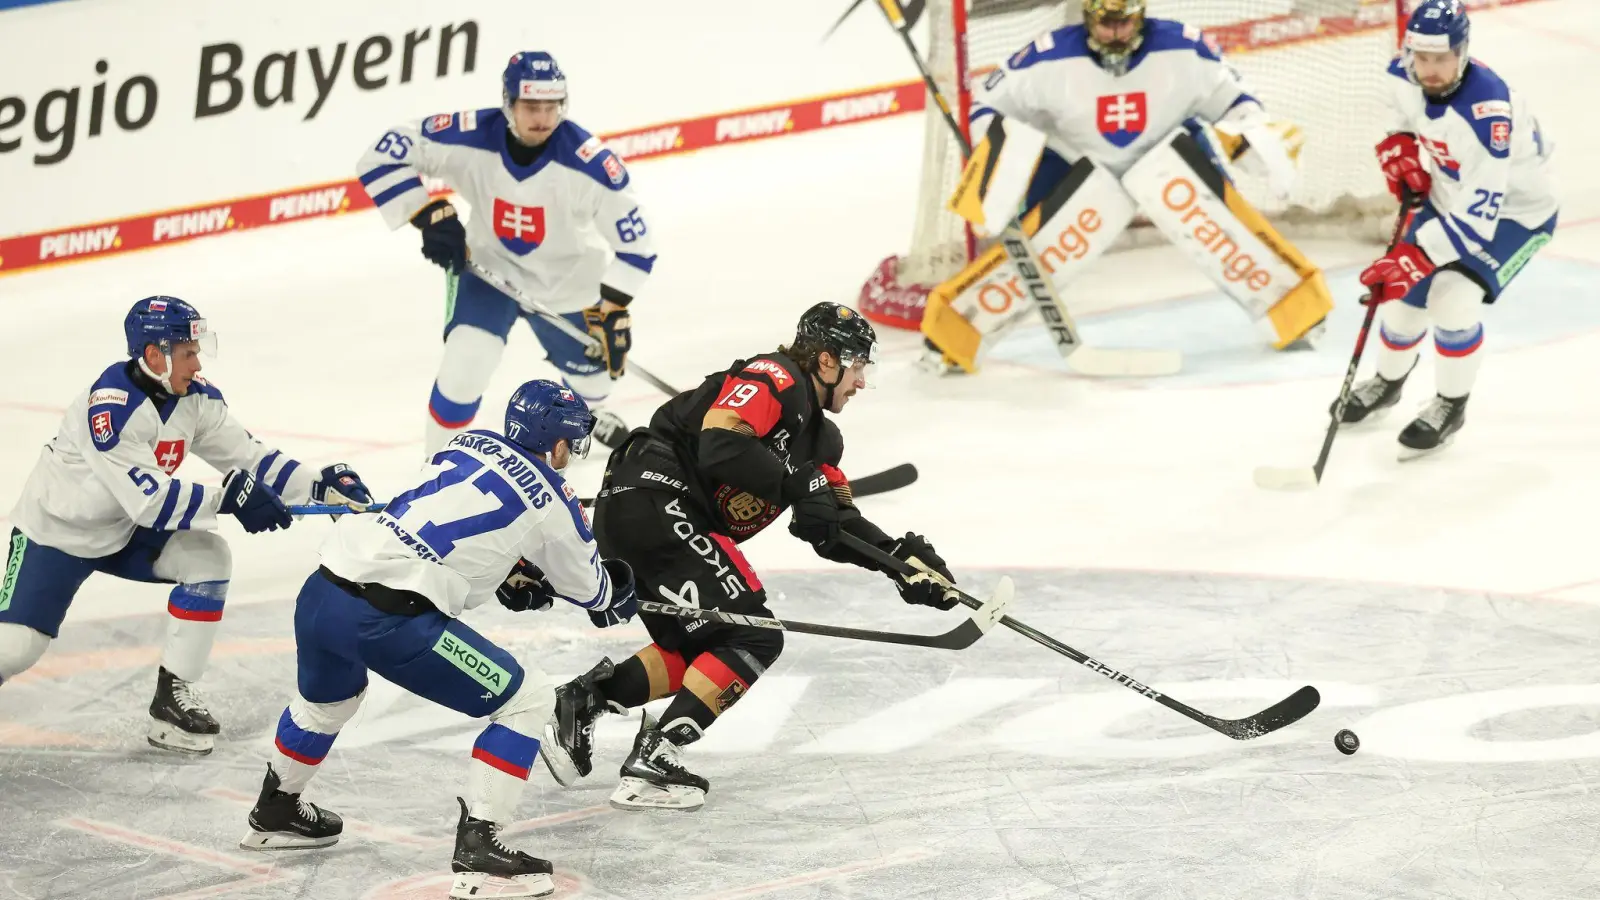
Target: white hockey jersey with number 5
[
  {"x": 1055, "y": 85},
  {"x": 109, "y": 469},
  {"x": 482, "y": 504},
  {"x": 544, "y": 227},
  {"x": 1489, "y": 159}
]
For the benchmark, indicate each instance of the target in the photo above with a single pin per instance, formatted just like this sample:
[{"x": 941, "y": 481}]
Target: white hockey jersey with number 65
[
  {"x": 481, "y": 504},
  {"x": 544, "y": 227}
]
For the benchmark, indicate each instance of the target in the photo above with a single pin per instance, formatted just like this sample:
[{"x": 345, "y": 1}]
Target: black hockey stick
[
  {"x": 983, "y": 617},
  {"x": 1285, "y": 478},
  {"x": 891, "y": 479},
  {"x": 1287, "y": 711}
]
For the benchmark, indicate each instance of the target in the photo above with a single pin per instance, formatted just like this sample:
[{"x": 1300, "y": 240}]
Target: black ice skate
[
  {"x": 1371, "y": 398},
  {"x": 609, "y": 429},
  {"x": 179, "y": 719},
  {"x": 282, "y": 821},
  {"x": 569, "y": 735},
  {"x": 484, "y": 867},
  {"x": 654, "y": 778},
  {"x": 1433, "y": 427}
]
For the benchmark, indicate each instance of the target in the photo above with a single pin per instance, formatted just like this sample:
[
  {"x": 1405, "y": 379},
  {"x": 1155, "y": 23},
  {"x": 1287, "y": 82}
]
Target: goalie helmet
[
  {"x": 1437, "y": 26},
  {"x": 1114, "y": 55},
  {"x": 533, "y": 75},
  {"x": 543, "y": 413}
]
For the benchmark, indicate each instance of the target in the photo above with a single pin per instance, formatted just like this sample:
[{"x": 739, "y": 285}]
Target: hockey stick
[
  {"x": 984, "y": 616},
  {"x": 561, "y": 324},
  {"x": 891, "y": 479},
  {"x": 1285, "y": 712},
  {"x": 1291, "y": 478},
  {"x": 1092, "y": 361}
]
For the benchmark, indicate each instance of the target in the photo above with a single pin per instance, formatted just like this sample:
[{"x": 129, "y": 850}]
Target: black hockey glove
[
  {"x": 525, "y": 589},
  {"x": 624, "y": 598},
  {"x": 817, "y": 513},
  {"x": 614, "y": 332},
  {"x": 444, "y": 240},
  {"x": 257, "y": 507},
  {"x": 931, "y": 587}
]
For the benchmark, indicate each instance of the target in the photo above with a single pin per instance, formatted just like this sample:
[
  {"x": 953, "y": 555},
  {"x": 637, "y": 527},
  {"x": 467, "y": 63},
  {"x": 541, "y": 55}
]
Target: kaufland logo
[
  {"x": 850, "y": 109},
  {"x": 749, "y": 125},
  {"x": 77, "y": 243}
]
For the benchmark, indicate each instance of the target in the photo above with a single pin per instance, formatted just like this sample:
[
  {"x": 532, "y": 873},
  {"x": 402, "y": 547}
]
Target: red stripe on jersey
[
  {"x": 740, "y": 564},
  {"x": 752, "y": 401}
]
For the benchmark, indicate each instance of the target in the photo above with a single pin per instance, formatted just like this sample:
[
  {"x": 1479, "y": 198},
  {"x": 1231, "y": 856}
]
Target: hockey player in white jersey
[
  {"x": 490, "y": 518},
  {"x": 102, "y": 498},
  {"x": 1468, "y": 143},
  {"x": 1091, "y": 124},
  {"x": 547, "y": 201}
]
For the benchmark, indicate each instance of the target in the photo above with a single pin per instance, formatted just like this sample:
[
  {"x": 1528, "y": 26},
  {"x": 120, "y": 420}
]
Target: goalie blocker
[{"x": 1177, "y": 185}]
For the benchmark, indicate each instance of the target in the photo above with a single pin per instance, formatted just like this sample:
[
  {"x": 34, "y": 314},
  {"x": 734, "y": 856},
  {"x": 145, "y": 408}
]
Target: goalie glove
[
  {"x": 933, "y": 583},
  {"x": 1277, "y": 145},
  {"x": 613, "y": 334}
]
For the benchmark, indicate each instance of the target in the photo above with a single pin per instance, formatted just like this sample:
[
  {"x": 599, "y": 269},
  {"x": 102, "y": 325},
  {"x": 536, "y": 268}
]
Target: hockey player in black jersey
[{"x": 716, "y": 466}]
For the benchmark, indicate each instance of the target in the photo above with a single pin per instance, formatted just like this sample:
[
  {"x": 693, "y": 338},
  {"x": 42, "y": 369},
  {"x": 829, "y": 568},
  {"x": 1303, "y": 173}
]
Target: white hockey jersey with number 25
[
  {"x": 1055, "y": 85},
  {"x": 482, "y": 504},
  {"x": 109, "y": 469},
  {"x": 545, "y": 227},
  {"x": 1488, "y": 158}
]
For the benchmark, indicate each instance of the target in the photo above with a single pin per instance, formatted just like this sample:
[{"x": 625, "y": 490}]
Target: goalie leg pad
[
  {"x": 1075, "y": 224},
  {"x": 1184, "y": 194}
]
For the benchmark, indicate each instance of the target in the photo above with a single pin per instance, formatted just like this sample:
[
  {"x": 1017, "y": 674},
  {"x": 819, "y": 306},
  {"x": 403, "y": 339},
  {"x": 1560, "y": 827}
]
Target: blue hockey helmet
[
  {"x": 533, "y": 75},
  {"x": 542, "y": 413},
  {"x": 165, "y": 321},
  {"x": 1437, "y": 26}
]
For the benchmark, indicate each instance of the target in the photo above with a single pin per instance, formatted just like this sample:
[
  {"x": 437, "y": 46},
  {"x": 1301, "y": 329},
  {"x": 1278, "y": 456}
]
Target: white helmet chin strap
[{"x": 164, "y": 380}]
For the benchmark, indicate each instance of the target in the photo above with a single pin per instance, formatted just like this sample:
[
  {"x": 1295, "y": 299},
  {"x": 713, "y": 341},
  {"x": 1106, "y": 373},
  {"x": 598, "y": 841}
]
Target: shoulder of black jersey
[
  {"x": 775, "y": 369},
  {"x": 577, "y": 149},
  {"x": 113, "y": 399},
  {"x": 1166, "y": 35},
  {"x": 478, "y": 128},
  {"x": 1484, "y": 100},
  {"x": 1062, "y": 43}
]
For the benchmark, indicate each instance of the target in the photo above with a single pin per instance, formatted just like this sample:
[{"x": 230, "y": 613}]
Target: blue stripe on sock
[
  {"x": 516, "y": 748},
  {"x": 301, "y": 745}
]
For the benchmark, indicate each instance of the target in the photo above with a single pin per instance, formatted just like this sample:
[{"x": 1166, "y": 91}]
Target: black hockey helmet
[{"x": 839, "y": 330}]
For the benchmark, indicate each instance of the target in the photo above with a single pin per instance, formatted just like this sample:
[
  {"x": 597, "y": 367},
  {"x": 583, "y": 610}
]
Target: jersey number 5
[{"x": 442, "y": 536}]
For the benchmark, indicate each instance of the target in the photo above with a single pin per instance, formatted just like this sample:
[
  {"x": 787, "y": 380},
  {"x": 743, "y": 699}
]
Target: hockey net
[{"x": 1317, "y": 63}]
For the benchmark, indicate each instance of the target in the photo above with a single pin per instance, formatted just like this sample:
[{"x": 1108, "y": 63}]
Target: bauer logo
[
  {"x": 754, "y": 125},
  {"x": 468, "y": 660},
  {"x": 850, "y": 109}
]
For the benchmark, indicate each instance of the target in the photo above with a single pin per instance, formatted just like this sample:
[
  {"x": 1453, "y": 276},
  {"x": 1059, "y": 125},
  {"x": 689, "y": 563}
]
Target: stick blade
[
  {"x": 1282, "y": 714},
  {"x": 1105, "y": 362},
  {"x": 1286, "y": 478},
  {"x": 890, "y": 479}
]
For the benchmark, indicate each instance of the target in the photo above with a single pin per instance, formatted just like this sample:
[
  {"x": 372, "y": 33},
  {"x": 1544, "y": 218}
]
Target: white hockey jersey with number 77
[
  {"x": 481, "y": 504},
  {"x": 545, "y": 227}
]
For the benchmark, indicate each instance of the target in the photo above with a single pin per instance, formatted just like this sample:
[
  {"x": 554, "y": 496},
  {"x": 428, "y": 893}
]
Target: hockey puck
[{"x": 1346, "y": 741}]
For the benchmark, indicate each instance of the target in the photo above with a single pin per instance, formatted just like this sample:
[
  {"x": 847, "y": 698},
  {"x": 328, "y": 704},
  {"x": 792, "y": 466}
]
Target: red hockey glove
[
  {"x": 1400, "y": 157},
  {"x": 1396, "y": 273}
]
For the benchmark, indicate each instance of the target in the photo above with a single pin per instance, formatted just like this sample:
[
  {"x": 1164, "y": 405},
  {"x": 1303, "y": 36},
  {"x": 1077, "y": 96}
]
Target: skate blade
[
  {"x": 1410, "y": 454},
  {"x": 477, "y": 886},
  {"x": 636, "y": 793},
  {"x": 166, "y": 736},
  {"x": 561, "y": 767},
  {"x": 284, "y": 840}
]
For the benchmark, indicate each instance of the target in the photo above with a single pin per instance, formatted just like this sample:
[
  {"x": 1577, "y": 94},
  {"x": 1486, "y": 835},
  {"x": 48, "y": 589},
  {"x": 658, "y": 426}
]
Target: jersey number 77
[{"x": 442, "y": 536}]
